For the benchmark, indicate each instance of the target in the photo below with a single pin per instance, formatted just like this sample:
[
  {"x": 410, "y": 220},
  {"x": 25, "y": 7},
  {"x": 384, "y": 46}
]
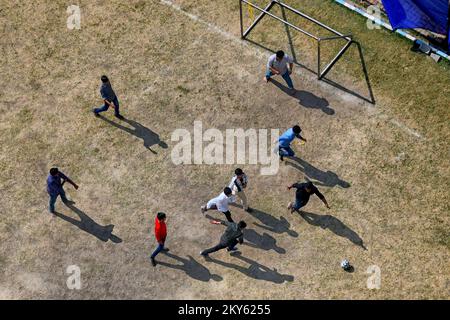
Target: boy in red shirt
[{"x": 160, "y": 234}]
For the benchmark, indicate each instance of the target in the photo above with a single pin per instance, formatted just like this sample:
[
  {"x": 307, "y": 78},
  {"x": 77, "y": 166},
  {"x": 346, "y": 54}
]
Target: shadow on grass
[
  {"x": 149, "y": 137},
  {"x": 191, "y": 267},
  {"x": 306, "y": 98},
  {"x": 265, "y": 241},
  {"x": 270, "y": 223},
  {"x": 317, "y": 176},
  {"x": 334, "y": 225},
  {"x": 255, "y": 270},
  {"x": 103, "y": 233}
]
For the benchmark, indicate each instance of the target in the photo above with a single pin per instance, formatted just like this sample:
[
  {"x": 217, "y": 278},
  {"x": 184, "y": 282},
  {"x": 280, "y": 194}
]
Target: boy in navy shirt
[
  {"x": 302, "y": 195},
  {"x": 55, "y": 182},
  {"x": 109, "y": 97}
]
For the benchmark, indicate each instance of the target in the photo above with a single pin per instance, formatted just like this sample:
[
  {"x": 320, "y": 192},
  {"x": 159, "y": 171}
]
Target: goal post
[{"x": 321, "y": 73}]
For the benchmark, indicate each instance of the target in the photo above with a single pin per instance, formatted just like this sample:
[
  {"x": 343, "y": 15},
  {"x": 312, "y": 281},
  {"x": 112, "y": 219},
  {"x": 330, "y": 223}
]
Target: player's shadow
[
  {"x": 270, "y": 223},
  {"x": 149, "y": 137},
  {"x": 103, "y": 233},
  {"x": 334, "y": 225},
  {"x": 255, "y": 270},
  {"x": 319, "y": 177},
  {"x": 307, "y": 99},
  {"x": 265, "y": 241},
  {"x": 310, "y": 100},
  {"x": 191, "y": 267}
]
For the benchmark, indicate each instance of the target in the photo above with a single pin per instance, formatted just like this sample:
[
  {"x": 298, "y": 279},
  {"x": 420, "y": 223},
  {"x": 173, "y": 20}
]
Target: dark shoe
[
  {"x": 281, "y": 158},
  {"x": 95, "y": 113},
  {"x": 119, "y": 116},
  {"x": 165, "y": 250},
  {"x": 232, "y": 249},
  {"x": 204, "y": 254},
  {"x": 236, "y": 254},
  {"x": 153, "y": 261},
  {"x": 249, "y": 209}
]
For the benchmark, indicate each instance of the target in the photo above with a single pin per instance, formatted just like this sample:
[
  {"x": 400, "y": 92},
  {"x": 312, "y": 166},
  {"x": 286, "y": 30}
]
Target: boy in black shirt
[{"x": 302, "y": 194}]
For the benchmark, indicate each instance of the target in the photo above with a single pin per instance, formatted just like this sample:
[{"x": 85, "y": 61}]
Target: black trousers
[
  {"x": 221, "y": 246},
  {"x": 228, "y": 216},
  {"x": 226, "y": 213}
]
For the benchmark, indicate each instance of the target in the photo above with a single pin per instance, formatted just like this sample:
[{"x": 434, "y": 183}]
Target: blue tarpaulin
[{"x": 430, "y": 15}]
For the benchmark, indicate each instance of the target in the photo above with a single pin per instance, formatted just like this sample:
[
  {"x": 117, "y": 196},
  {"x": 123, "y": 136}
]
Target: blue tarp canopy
[{"x": 430, "y": 15}]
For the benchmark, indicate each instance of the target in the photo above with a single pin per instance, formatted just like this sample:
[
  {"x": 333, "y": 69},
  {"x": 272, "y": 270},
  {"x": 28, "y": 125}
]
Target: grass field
[{"x": 384, "y": 168}]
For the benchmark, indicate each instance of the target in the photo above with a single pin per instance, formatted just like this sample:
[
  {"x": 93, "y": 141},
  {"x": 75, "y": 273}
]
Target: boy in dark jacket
[
  {"x": 55, "y": 182},
  {"x": 232, "y": 235},
  {"x": 109, "y": 98},
  {"x": 160, "y": 235},
  {"x": 302, "y": 195}
]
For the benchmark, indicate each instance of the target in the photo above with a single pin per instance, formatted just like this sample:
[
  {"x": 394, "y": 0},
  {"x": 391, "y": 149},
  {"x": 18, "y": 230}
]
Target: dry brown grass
[{"x": 169, "y": 71}]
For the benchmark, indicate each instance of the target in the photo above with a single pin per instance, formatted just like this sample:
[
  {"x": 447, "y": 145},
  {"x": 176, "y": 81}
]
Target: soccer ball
[{"x": 345, "y": 264}]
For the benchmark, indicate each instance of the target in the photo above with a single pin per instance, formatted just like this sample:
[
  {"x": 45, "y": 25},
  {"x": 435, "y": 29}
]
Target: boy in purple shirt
[
  {"x": 284, "y": 141},
  {"x": 55, "y": 182}
]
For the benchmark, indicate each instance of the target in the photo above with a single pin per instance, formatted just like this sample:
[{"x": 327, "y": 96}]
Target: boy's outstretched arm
[{"x": 322, "y": 197}]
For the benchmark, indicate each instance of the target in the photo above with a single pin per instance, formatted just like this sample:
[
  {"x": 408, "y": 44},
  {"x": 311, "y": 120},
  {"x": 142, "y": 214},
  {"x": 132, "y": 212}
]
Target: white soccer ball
[{"x": 345, "y": 264}]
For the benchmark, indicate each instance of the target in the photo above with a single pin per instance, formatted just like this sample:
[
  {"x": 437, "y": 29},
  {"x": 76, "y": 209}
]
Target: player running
[
  {"x": 231, "y": 237},
  {"x": 285, "y": 140},
  {"x": 302, "y": 195},
  {"x": 221, "y": 203}
]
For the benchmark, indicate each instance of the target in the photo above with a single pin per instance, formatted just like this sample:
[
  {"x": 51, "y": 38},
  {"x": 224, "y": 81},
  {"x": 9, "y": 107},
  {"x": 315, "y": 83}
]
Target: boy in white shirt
[{"x": 221, "y": 203}]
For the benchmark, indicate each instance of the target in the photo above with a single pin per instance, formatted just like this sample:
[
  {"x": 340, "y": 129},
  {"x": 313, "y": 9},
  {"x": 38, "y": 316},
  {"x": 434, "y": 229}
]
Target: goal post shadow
[{"x": 321, "y": 73}]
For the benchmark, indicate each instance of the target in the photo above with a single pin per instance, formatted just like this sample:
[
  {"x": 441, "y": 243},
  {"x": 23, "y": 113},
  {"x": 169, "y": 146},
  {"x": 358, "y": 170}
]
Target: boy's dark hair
[
  {"x": 296, "y": 129},
  {"x": 309, "y": 185},
  {"x": 227, "y": 191},
  {"x": 242, "y": 225},
  {"x": 104, "y": 79},
  {"x": 238, "y": 171},
  {"x": 280, "y": 54},
  {"x": 161, "y": 216},
  {"x": 54, "y": 171}
]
